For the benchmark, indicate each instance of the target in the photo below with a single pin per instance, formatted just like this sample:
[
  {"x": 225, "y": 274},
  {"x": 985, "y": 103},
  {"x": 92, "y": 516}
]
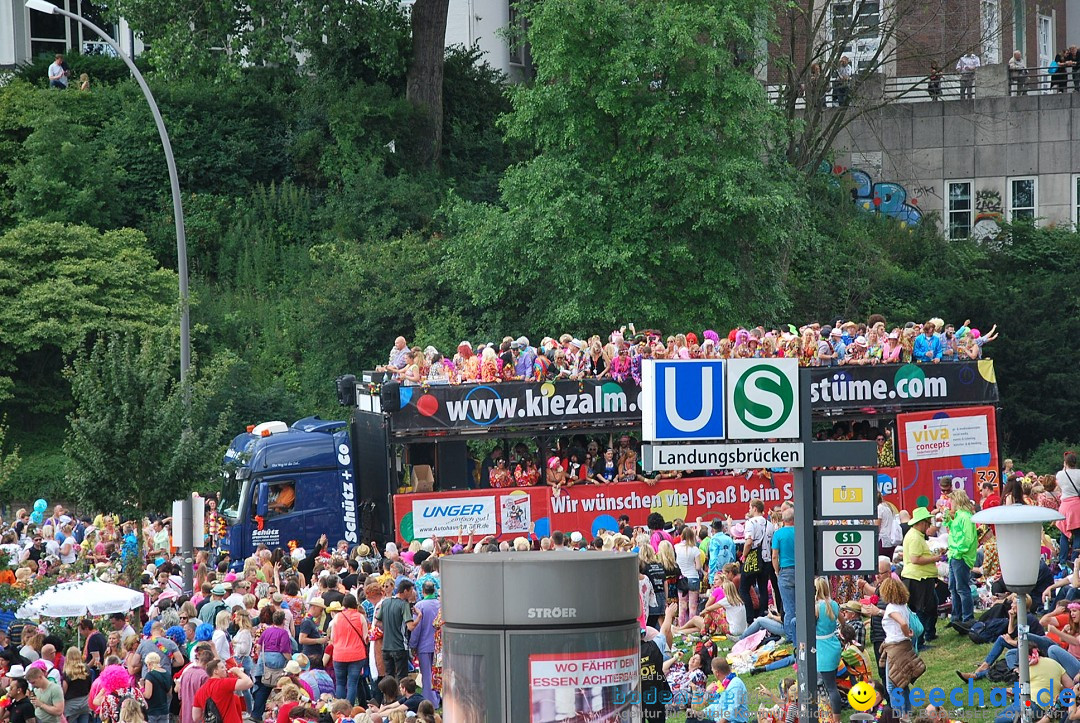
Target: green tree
[
  {"x": 134, "y": 444},
  {"x": 650, "y": 197},
  {"x": 70, "y": 176},
  {"x": 9, "y": 461},
  {"x": 61, "y": 284}
]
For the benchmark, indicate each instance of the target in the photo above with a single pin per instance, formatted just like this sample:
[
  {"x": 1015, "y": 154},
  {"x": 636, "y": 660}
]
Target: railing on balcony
[
  {"x": 992, "y": 81},
  {"x": 1040, "y": 81}
]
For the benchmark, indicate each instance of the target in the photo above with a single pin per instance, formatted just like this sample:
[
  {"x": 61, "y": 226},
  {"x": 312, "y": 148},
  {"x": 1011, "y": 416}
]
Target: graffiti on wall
[
  {"x": 884, "y": 197},
  {"x": 988, "y": 214}
]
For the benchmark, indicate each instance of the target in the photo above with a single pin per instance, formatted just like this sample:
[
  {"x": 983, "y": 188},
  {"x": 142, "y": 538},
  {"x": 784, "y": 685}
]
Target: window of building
[
  {"x": 961, "y": 206},
  {"x": 1076, "y": 201},
  {"x": 51, "y": 34},
  {"x": 991, "y": 32},
  {"x": 1023, "y": 198},
  {"x": 857, "y": 25},
  {"x": 516, "y": 36},
  {"x": 48, "y": 33}
]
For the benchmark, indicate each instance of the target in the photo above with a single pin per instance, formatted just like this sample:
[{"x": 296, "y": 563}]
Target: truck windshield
[{"x": 231, "y": 490}]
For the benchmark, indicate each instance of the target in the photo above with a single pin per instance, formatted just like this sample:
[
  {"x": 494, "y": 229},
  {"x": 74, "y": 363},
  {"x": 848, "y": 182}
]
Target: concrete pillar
[
  {"x": 992, "y": 81},
  {"x": 870, "y": 89}
]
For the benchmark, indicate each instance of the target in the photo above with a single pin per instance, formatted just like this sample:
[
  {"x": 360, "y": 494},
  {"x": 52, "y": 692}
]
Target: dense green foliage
[
  {"x": 138, "y": 438},
  {"x": 630, "y": 182}
]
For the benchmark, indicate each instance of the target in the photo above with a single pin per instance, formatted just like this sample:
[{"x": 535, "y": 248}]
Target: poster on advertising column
[{"x": 595, "y": 686}]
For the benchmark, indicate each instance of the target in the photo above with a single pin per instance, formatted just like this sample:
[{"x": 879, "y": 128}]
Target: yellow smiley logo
[{"x": 862, "y": 697}]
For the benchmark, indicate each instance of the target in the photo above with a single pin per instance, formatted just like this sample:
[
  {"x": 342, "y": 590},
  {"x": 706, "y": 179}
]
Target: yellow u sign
[{"x": 846, "y": 494}]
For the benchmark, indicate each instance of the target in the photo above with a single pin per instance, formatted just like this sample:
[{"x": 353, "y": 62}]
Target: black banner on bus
[
  {"x": 517, "y": 404},
  {"x": 904, "y": 386},
  {"x": 598, "y": 401}
]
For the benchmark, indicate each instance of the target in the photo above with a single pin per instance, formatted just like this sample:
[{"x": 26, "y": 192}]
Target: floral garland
[{"x": 726, "y": 681}]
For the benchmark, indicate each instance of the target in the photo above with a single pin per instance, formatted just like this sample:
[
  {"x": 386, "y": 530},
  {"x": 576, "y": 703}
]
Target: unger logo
[{"x": 764, "y": 398}]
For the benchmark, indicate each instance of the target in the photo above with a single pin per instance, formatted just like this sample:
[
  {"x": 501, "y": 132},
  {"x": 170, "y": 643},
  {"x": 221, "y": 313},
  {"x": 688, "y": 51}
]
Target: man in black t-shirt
[
  {"x": 409, "y": 697},
  {"x": 349, "y": 580},
  {"x": 21, "y": 709},
  {"x": 654, "y": 687},
  {"x": 37, "y": 549},
  {"x": 96, "y": 642}
]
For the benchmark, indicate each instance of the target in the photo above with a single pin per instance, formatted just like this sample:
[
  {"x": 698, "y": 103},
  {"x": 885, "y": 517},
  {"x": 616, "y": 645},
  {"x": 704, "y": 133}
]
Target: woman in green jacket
[{"x": 963, "y": 544}]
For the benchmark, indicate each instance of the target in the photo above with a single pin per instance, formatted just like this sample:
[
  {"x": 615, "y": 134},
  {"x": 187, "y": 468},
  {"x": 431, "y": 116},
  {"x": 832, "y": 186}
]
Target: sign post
[
  {"x": 760, "y": 410},
  {"x": 853, "y": 496},
  {"x": 187, "y": 525}
]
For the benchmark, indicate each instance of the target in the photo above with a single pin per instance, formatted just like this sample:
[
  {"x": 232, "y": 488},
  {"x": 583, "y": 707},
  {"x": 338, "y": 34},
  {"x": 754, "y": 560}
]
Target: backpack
[
  {"x": 211, "y": 712},
  {"x": 917, "y": 629},
  {"x": 987, "y": 631},
  {"x": 1000, "y": 672}
]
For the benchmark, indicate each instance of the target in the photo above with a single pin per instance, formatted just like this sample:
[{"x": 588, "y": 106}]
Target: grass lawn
[{"x": 949, "y": 653}]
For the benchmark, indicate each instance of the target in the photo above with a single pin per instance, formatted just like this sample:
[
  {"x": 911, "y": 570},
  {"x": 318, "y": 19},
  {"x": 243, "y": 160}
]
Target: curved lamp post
[
  {"x": 43, "y": 6},
  {"x": 1019, "y": 538}
]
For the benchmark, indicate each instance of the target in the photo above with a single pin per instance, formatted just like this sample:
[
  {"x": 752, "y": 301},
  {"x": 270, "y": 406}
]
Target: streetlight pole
[
  {"x": 1019, "y": 530},
  {"x": 44, "y": 6}
]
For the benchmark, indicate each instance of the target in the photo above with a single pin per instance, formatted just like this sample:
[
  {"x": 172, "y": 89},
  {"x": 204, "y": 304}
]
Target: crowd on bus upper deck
[{"x": 619, "y": 357}]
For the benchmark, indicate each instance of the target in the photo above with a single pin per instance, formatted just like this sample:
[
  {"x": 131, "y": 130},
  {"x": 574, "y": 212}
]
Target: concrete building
[
  {"x": 482, "y": 22},
  {"x": 900, "y": 38},
  {"x": 25, "y": 35},
  {"x": 974, "y": 162}
]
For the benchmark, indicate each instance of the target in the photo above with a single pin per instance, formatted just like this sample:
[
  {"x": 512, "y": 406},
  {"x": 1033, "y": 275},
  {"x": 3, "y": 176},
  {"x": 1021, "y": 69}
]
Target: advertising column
[{"x": 541, "y": 638}]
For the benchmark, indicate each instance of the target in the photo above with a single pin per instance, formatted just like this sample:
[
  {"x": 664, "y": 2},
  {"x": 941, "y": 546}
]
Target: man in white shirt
[
  {"x": 57, "y": 74},
  {"x": 754, "y": 536},
  {"x": 48, "y": 663},
  {"x": 240, "y": 589},
  {"x": 966, "y": 67},
  {"x": 768, "y": 571}
]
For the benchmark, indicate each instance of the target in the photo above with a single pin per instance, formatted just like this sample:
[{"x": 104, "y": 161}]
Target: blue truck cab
[{"x": 284, "y": 483}]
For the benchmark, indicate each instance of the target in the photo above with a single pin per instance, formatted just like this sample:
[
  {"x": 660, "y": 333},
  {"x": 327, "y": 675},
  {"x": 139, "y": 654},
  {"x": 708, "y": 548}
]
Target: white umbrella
[{"x": 80, "y": 598}]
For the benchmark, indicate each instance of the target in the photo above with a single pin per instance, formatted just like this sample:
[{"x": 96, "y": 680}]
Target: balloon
[{"x": 40, "y": 505}]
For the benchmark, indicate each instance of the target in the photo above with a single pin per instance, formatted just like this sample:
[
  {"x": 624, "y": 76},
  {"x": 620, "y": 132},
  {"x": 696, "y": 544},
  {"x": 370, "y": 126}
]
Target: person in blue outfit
[
  {"x": 927, "y": 348},
  {"x": 827, "y": 614},
  {"x": 729, "y": 700}
]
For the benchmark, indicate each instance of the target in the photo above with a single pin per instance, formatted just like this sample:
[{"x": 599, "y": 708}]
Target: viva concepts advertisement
[{"x": 959, "y": 443}]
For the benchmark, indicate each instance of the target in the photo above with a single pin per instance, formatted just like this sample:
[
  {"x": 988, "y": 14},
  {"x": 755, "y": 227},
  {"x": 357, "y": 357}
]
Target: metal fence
[
  {"x": 923, "y": 89},
  {"x": 1041, "y": 81}
]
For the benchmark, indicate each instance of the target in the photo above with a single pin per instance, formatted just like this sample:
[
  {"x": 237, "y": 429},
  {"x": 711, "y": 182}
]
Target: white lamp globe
[{"x": 1019, "y": 539}]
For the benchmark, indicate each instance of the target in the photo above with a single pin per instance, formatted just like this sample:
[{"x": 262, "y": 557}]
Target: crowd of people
[
  {"x": 328, "y": 634},
  {"x": 585, "y": 459},
  {"x": 619, "y": 357},
  {"x": 353, "y": 632}
]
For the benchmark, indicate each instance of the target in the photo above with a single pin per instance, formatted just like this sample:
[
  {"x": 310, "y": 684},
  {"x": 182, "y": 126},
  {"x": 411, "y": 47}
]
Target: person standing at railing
[
  {"x": 1072, "y": 63},
  {"x": 966, "y": 67},
  {"x": 1058, "y": 75},
  {"x": 933, "y": 81},
  {"x": 1018, "y": 75},
  {"x": 843, "y": 80}
]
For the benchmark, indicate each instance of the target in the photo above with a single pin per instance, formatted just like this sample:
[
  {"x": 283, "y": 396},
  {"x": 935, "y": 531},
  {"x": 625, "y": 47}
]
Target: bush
[{"x": 102, "y": 69}]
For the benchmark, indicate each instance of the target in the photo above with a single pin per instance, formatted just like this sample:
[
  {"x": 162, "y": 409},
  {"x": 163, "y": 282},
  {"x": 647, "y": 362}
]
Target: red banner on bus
[{"x": 509, "y": 512}]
